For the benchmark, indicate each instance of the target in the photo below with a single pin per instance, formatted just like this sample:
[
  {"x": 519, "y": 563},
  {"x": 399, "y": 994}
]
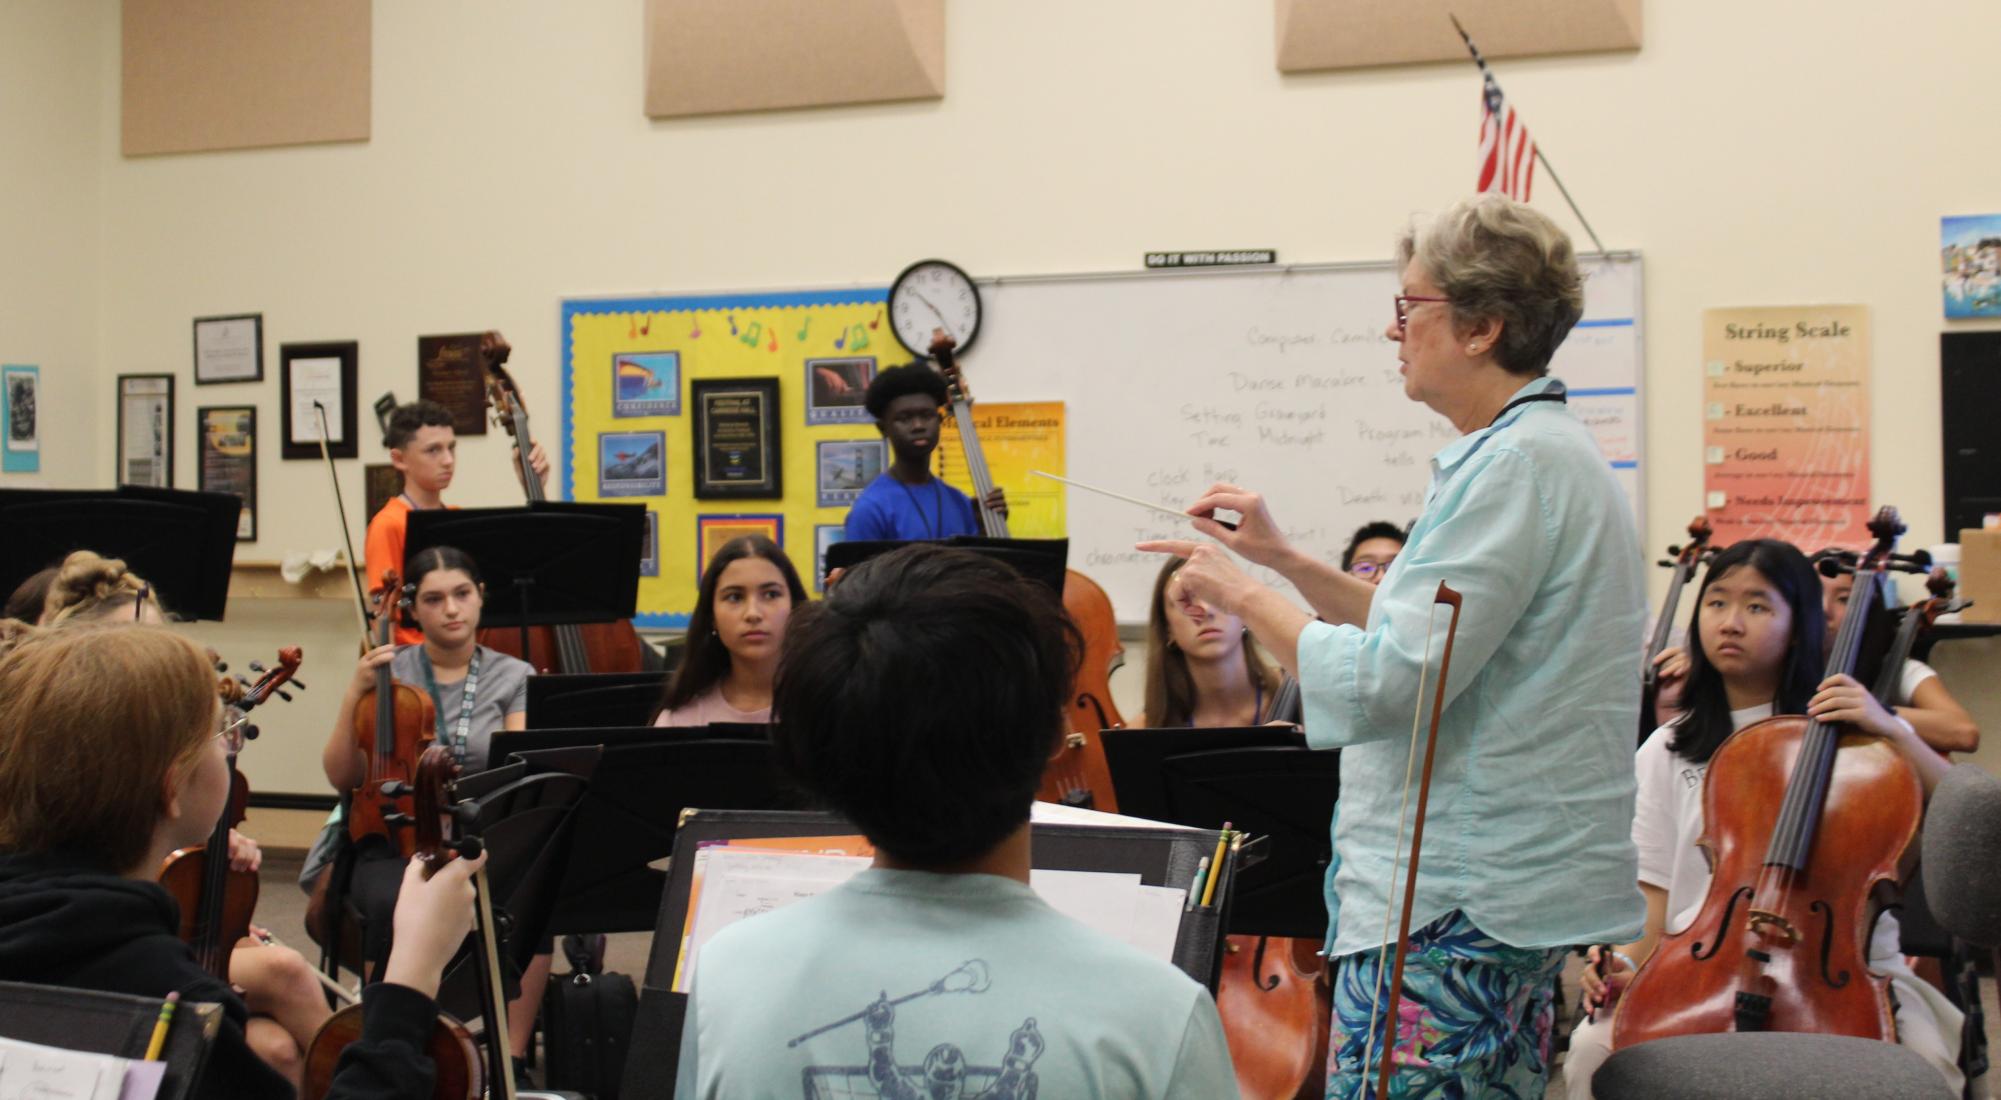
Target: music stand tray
[
  {"x": 183, "y": 543},
  {"x": 573, "y": 700},
  {"x": 1261, "y": 779},
  {"x": 546, "y": 563},
  {"x": 1044, "y": 560}
]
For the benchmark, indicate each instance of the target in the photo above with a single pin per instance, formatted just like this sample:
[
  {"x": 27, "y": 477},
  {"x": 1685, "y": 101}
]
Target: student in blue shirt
[
  {"x": 906, "y": 502},
  {"x": 923, "y": 699},
  {"x": 1528, "y": 846}
]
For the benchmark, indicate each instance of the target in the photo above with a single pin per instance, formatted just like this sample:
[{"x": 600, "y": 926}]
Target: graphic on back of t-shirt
[{"x": 944, "y": 1074}]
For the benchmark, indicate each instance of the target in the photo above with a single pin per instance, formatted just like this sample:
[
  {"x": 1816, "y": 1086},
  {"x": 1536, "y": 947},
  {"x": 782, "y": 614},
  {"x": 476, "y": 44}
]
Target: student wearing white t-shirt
[
  {"x": 1755, "y": 650},
  {"x": 1922, "y": 699},
  {"x": 922, "y": 699}
]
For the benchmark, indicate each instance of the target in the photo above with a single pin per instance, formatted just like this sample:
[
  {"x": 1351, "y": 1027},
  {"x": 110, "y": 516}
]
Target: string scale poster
[
  {"x": 629, "y": 425},
  {"x": 1786, "y": 424}
]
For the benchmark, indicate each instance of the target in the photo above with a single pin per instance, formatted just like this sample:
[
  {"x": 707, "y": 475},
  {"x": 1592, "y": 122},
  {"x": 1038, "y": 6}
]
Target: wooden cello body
[
  {"x": 1808, "y": 828},
  {"x": 1275, "y": 1012}
]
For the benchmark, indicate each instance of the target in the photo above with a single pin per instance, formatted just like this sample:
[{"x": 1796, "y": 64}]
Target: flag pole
[{"x": 1540, "y": 159}]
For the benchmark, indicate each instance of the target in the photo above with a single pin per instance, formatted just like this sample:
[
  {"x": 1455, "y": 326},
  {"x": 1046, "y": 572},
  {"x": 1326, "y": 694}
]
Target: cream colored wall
[
  {"x": 52, "y": 108},
  {"x": 1756, "y": 154}
]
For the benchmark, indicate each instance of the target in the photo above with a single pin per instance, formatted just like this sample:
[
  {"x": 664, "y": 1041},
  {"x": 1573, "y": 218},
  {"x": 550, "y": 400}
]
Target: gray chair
[{"x": 1962, "y": 833}]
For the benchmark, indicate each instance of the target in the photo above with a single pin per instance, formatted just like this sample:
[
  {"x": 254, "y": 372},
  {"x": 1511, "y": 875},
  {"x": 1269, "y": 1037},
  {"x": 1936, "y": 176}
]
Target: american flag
[{"x": 1507, "y": 153}]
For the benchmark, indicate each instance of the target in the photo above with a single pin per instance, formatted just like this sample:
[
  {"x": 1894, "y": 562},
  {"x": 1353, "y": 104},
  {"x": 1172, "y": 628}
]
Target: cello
[
  {"x": 1807, "y": 827},
  {"x": 565, "y": 647},
  {"x": 394, "y": 722},
  {"x": 215, "y": 900},
  {"x": 462, "y": 1073},
  {"x": 1077, "y": 776},
  {"x": 1686, "y": 558},
  {"x": 1917, "y": 619}
]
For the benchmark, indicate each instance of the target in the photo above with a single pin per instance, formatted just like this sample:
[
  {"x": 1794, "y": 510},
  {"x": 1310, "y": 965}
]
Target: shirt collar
[{"x": 1461, "y": 449}]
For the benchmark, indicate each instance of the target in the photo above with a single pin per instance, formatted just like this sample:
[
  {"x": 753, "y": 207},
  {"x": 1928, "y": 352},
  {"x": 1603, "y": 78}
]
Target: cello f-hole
[
  {"x": 1722, "y": 927},
  {"x": 1826, "y": 913}
]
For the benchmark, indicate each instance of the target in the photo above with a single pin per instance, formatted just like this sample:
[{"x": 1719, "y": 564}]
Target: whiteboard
[{"x": 1277, "y": 379}]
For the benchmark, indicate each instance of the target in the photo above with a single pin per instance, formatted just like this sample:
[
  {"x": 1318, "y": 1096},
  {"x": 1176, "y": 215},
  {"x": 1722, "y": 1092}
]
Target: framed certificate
[
  {"x": 736, "y": 439},
  {"x": 451, "y": 372},
  {"x": 228, "y": 461},
  {"x": 146, "y": 430},
  {"x": 229, "y": 349},
  {"x": 316, "y": 377}
]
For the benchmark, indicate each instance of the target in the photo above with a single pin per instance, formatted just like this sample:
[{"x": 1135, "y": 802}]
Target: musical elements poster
[
  {"x": 1786, "y": 424},
  {"x": 1016, "y": 438}
]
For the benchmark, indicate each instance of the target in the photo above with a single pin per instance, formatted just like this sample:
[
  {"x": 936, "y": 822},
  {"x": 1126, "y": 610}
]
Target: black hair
[
  {"x": 431, "y": 559},
  {"x": 894, "y": 382},
  {"x": 1374, "y": 529},
  {"x": 1705, "y": 724},
  {"x": 407, "y": 419},
  {"x": 28, "y": 599},
  {"x": 923, "y": 698},
  {"x": 704, "y": 659}
]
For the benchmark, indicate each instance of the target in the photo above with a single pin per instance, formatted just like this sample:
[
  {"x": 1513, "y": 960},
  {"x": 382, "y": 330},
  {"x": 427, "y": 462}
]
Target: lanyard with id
[{"x": 456, "y": 741}]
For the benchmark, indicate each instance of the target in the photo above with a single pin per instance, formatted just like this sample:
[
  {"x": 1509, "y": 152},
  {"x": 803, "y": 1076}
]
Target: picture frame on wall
[
  {"x": 21, "y": 419},
  {"x": 146, "y": 430},
  {"x": 229, "y": 349},
  {"x": 322, "y": 374},
  {"x": 228, "y": 459},
  {"x": 736, "y": 439}
]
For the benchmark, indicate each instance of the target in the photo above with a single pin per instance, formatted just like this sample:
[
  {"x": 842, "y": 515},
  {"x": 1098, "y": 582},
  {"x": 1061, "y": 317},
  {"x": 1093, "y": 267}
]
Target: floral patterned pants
[{"x": 1474, "y": 1019}]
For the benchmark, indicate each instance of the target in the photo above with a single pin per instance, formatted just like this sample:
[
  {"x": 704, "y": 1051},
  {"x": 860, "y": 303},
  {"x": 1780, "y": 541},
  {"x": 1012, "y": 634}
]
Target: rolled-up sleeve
[{"x": 1491, "y": 542}]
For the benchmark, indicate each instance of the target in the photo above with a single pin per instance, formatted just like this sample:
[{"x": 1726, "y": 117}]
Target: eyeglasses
[
  {"x": 1403, "y": 308},
  {"x": 1367, "y": 569},
  {"x": 230, "y": 730}
]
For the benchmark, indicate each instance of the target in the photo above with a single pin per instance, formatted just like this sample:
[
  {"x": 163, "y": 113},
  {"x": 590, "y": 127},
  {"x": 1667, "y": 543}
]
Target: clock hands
[{"x": 934, "y": 309}]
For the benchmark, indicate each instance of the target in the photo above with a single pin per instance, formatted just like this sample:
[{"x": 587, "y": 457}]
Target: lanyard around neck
[
  {"x": 936, "y": 520},
  {"x": 1527, "y": 399},
  {"x": 454, "y": 741}
]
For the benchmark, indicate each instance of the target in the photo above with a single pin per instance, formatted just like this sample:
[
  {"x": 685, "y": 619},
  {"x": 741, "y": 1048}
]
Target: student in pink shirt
[{"x": 748, "y": 592}]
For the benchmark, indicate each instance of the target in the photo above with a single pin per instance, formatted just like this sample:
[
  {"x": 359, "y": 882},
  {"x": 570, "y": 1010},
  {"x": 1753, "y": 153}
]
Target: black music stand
[
  {"x": 627, "y": 819},
  {"x": 1044, "y": 560},
  {"x": 547, "y": 563},
  {"x": 1261, "y": 779},
  {"x": 593, "y": 699},
  {"x": 183, "y": 543},
  {"x": 1161, "y": 857}
]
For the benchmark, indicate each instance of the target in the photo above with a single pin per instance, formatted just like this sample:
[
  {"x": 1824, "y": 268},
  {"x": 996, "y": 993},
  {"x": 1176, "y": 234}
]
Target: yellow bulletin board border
[{"x": 739, "y": 335}]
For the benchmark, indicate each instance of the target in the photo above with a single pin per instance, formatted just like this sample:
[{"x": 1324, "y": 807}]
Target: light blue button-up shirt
[{"x": 1529, "y": 831}]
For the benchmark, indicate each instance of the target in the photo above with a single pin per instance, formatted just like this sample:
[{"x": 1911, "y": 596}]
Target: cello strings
[{"x": 1383, "y": 960}]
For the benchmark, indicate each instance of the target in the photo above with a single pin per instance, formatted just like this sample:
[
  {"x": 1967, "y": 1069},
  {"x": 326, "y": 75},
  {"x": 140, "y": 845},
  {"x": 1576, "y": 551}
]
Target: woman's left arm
[{"x": 1843, "y": 699}]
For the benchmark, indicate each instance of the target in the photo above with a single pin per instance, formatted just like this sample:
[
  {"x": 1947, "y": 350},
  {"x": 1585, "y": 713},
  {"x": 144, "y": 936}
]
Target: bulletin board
[{"x": 629, "y": 425}]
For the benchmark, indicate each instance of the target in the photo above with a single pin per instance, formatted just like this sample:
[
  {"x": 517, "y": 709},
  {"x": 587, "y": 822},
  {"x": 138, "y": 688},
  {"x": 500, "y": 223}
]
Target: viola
[
  {"x": 1275, "y": 1008},
  {"x": 566, "y": 647},
  {"x": 1077, "y": 776},
  {"x": 1808, "y": 827},
  {"x": 393, "y": 723},
  {"x": 1919, "y": 618},
  {"x": 216, "y": 901},
  {"x": 1686, "y": 558},
  {"x": 462, "y": 1073}
]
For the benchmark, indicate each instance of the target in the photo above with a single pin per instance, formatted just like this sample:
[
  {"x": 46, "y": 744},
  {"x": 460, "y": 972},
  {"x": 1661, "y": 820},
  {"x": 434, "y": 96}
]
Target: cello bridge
[
  {"x": 1766, "y": 923},
  {"x": 1073, "y": 740}
]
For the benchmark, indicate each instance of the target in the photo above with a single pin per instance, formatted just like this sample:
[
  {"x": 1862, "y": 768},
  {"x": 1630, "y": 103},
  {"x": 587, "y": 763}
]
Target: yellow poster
[{"x": 1015, "y": 439}]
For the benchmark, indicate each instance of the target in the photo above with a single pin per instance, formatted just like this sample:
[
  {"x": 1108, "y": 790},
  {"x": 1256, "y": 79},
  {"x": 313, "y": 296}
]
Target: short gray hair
[{"x": 1496, "y": 258}]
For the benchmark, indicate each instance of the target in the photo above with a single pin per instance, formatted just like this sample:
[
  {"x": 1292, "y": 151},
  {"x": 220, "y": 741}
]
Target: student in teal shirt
[
  {"x": 923, "y": 699},
  {"x": 1529, "y": 832}
]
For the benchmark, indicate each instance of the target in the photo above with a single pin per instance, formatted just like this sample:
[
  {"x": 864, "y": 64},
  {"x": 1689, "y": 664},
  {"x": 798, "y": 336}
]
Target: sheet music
[{"x": 31, "y": 1071}]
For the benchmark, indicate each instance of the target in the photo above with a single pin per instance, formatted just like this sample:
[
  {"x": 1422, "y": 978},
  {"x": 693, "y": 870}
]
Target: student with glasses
[{"x": 1371, "y": 549}]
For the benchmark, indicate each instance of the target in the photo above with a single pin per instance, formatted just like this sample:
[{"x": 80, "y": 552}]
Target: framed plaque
[
  {"x": 146, "y": 430},
  {"x": 229, "y": 459},
  {"x": 451, "y": 372},
  {"x": 317, "y": 375},
  {"x": 381, "y": 482},
  {"x": 229, "y": 349},
  {"x": 736, "y": 439}
]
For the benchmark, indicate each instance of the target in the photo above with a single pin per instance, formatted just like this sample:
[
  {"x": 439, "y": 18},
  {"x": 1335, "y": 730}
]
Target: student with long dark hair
[
  {"x": 748, "y": 593},
  {"x": 1754, "y": 650}
]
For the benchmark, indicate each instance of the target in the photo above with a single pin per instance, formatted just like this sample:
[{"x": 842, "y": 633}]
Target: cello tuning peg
[
  {"x": 398, "y": 821},
  {"x": 257, "y": 666},
  {"x": 469, "y": 847},
  {"x": 396, "y": 788},
  {"x": 1675, "y": 550},
  {"x": 221, "y": 665},
  {"x": 250, "y": 733},
  {"x": 1665, "y": 564}
]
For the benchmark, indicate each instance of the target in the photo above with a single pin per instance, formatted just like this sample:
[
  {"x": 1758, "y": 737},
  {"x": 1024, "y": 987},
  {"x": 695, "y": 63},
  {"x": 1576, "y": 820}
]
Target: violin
[
  {"x": 215, "y": 900},
  {"x": 462, "y": 1074},
  {"x": 1077, "y": 776},
  {"x": 393, "y": 723},
  {"x": 1686, "y": 558},
  {"x": 566, "y": 647},
  {"x": 1808, "y": 827}
]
